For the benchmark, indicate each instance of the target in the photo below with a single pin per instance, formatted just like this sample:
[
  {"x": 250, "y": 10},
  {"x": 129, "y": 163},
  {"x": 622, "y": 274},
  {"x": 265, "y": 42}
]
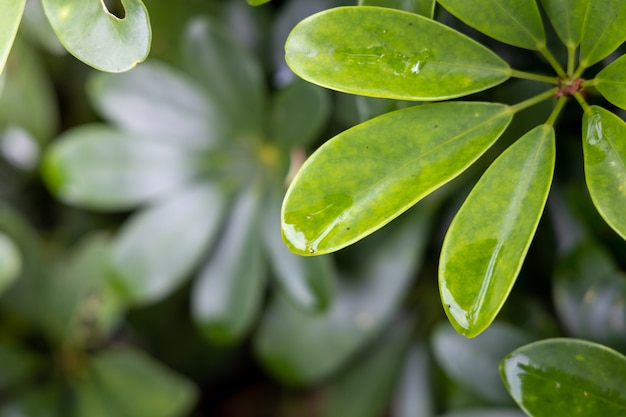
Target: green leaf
[
  {"x": 301, "y": 348},
  {"x": 363, "y": 178},
  {"x": 604, "y": 150},
  {"x": 485, "y": 412},
  {"x": 98, "y": 38},
  {"x": 611, "y": 82},
  {"x": 383, "y": 52},
  {"x": 257, "y": 2},
  {"x": 467, "y": 361},
  {"x": 98, "y": 167},
  {"x": 567, "y": 18},
  {"x": 10, "y": 18},
  {"x": 414, "y": 394},
  {"x": 516, "y": 22},
  {"x": 425, "y": 8},
  {"x": 179, "y": 231},
  {"x": 566, "y": 377},
  {"x": 18, "y": 364},
  {"x": 155, "y": 99},
  {"x": 156, "y": 390},
  {"x": 603, "y": 31},
  {"x": 487, "y": 241},
  {"x": 227, "y": 295},
  {"x": 10, "y": 261}
]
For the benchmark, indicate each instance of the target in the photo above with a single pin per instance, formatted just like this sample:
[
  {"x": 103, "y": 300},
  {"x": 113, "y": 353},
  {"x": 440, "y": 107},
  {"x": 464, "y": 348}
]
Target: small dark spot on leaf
[
  {"x": 347, "y": 228},
  {"x": 436, "y": 126}
]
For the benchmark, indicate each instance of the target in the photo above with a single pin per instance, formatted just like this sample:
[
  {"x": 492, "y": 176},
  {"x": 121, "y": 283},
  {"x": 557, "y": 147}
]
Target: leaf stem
[
  {"x": 556, "y": 111},
  {"x": 579, "y": 71},
  {"x": 534, "y": 100},
  {"x": 571, "y": 59},
  {"x": 582, "y": 102},
  {"x": 534, "y": 77},
  {"x": 552, "y": 60}
]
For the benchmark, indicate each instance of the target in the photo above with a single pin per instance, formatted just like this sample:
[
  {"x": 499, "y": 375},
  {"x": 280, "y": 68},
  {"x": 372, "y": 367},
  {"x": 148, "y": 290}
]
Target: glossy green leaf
[
  {"x": 227, "y": 295},
  {"x": 10, "y": 261},
  {"x": 567, "y": 18},
  {"x": 365, "y": 177},
  {"x": 306, "y": 281},
  {"x": 117, "y": 373},
  {"x": 97, "y": 37},
  {"x": 301, "y": 348},
  {"x": 390, "y": 53},
  {"x": 98, "y": 167},
  {"x": 604, "y": 150},
  {"x": 467, "y": 361},
  {"x": 423, "y": 7},
  {"x": 156, "y": 99},
  {"x": 179, "y": 230},
  {"x": 10, "y": 18},
  {"x": 590, "y": 296},
  {"x": 414, "y": 393},
  {"x": 363, "y": 390},
  {"x": 566, "y": 377},
  {"x": 18, "y": 364},
  {"x": 516, "y": 22},
  {"x": 257, "y": 2},
  {"x": 487, "y": 241},
  {"x": 603, "y": 31},
  {"x": 486, "y": 412},
  {"x": 611, "y": 82}
]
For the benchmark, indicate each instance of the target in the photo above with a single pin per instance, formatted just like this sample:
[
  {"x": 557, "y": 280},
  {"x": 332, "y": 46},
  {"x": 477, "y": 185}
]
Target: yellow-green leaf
[
  {"x": 10, "y": 18},
  {"x": 567, "y": 17},
  {"x": 603, "y": 31},
  {"x": 611, "y": 82}
]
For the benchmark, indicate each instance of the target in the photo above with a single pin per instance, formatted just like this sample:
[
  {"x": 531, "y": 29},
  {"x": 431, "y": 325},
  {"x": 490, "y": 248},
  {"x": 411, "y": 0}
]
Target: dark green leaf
[
  {"x": 487, "y": 241},
  {"x": 567, "y": 17},
  {"x": 604, "y": 150},
  {"x": 18, "y": 364},
  {"x": 257, "y": 2},
  {"x": 423, "y": 7},
  {"x": 603, "y": 30},
  {"x": 516, "y": 22},
  {"x": 383, "y": 52},
  {"x": 365, "y": 177},
  {"x": 566, "y": 377},
  {"x": 611, "y": 82},
  {"x": 97, "y": 37},
  {"x": 10, "y": 18}
]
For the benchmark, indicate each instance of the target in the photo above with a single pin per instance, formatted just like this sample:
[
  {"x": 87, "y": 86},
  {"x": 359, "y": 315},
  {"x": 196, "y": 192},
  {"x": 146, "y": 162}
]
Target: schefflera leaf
[
  {"x": 10, "y": 18},
  {"x": 604, "y": 151},
  {"x": 487, "y": 241},
  {"x": 567, "y": 18},
  {"x": 389, "y": 53},
  {"x": 566, "y": 377},
  {"x": 611, "y": 82},
  {"x": 422, "y": 7},
  {"x": 363, "y": 178},
  {"x": 98, "y": 38},
  {"x": 603, "y": 30},
  {"x": 516, "y": 22}
]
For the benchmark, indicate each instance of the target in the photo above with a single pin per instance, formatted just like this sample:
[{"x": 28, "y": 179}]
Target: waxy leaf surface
[
  {"x": 384, "y": 52},
  {"x": 488, "y": 239},
  {"x": 611, "y": 82},
  {"x": 604, "y": 150},
  {"x": 422, "y": 7},
  {"x": 566, "y": 377},
  {"x": 603, "y": 31},
  {"x": 98, "y": 38},
  {"x": 10, "y": 18},
  {"x": 516, "y": 22},
  {"x": 567, "y": 18},
  {"x": 365, "y": 177}
]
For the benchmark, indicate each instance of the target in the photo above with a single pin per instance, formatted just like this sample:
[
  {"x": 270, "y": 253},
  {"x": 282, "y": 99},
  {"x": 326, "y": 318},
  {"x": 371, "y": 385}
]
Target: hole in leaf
[{"x": 115, "y": 7}]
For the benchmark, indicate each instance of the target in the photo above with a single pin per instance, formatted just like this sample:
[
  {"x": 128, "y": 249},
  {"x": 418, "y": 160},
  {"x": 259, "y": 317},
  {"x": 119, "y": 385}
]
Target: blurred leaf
[
  {"x": 414, "y": 394},
  {"x": 489, "y": 237},
  {"x": 363, "y": 178},
  {"x": 516, "y": 22},
  {"x": 307, "y": 282},
  {"x": 97, "y": 37},
  {"x": 391, "y": 54},
  {"x": 590, "y": 296},
  {"x": 157, "y": 248},
  {"x": 17, "y": 364},
  {"x": 567, "y": 17},
  {"x": 605, "y": 168},
  {"x": 301, "y": 348},
  {"x": 10, "y": 261},
  {"x": 566, "y": 377},
  {"x": 257, "y": 2},
  {"x": 227, "y": 296},
  {"x": 156, "y": 99},
  {"x": 487, "y": 412},
  {"x": 603, "y": 30},
  {"x": 35, "y": 402},
  {"x": 36, "y": 28},
  {"x": 473, "y": 363},
  {"x": 611, "y": 82},
  {"x": 15, "y": 227},
  {"x": 117, "y": 373},
  {"x": 10, "y": 18},
  {"x": 423, "y": 7},
  {"x": 299, "y": 113},
  {"x": 98, "y": 167},
  {"x": 363, "y": 389},
  {"x": 230, "y": 75}
]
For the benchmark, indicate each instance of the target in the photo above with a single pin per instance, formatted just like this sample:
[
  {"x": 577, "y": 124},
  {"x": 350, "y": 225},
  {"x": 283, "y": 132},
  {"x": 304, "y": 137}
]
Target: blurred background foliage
[{"x": 141, "y": 266}]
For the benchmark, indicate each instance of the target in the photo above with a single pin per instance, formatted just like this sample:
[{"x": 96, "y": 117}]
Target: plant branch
[
  {"x": 571, "y": 59},
  {"x": 552, "y": 60},
  {"x": 582, "y": 103},
  {"x": 556, "y": 111},
  {"x": 534, "y": 77},
  {"x": 534, "y": 100}
]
